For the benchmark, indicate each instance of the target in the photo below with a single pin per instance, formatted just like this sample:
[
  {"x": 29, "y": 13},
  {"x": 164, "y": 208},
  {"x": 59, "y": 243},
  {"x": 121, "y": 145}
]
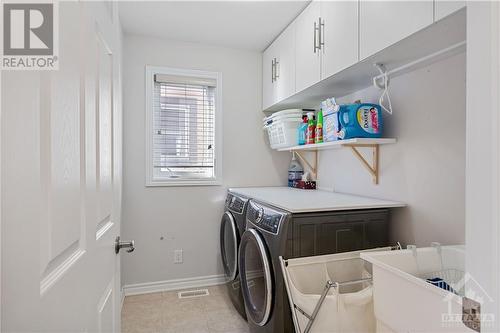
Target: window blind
[{"x": 183, "y": 127}]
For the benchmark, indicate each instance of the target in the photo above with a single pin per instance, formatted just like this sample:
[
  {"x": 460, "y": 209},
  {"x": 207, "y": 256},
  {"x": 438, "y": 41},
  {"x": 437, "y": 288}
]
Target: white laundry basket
[
  {"x": 291, "y": 113},
  {"x": 405, "y": 302},
  {"x": 330, "y": 293},
  {"x": 282, "y": 128},
  {"x": 283, "y": 133}
]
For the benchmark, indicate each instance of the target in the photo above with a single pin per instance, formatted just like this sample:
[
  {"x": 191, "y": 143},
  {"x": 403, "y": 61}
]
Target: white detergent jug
[{"x": 295, "y": 171}]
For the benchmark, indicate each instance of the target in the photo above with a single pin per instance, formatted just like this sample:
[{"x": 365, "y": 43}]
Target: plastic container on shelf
[
  {"x": 295, "y": 171},
  {"x": 360, "y": 121},
  {"x": 319, "y": 128},
  {"x": 285, "y": 114},
  {"x": 283, "y": 133},
  {"x": 406, "y": 299},
  {"x": 311, "y": 128},
  {"x": 282, "y": 128},
  {"x": 302, "y": 131}
]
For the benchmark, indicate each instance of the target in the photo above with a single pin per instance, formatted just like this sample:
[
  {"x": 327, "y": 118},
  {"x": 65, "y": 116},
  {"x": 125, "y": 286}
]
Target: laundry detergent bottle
[
  {"x": 302, "y": 131},
  {"x": 360, "y": 121},
  {"x": 311, "y": 128},
  {"x": 319, "y": 128},
  {"x": 295, "y": 171}
]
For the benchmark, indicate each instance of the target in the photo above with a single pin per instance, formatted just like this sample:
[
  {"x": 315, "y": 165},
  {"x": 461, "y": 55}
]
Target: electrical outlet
[{"x": 178, "y": 257}]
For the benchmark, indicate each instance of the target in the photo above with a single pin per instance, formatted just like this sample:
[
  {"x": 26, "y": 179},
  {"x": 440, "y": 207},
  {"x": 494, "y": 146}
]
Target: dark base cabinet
[
  {"x": 334, "y": 232},
  {"x": 312, "y": 234}
]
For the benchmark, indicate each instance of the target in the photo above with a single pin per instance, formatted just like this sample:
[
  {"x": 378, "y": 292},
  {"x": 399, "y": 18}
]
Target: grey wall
[
  {"x": 188, "y": 217},
  {"x": 426, "y": 167}
]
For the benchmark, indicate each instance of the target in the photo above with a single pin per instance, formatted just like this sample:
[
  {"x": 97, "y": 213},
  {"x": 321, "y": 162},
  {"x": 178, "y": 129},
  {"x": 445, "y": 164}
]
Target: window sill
[{"x": 183, "y": 182}]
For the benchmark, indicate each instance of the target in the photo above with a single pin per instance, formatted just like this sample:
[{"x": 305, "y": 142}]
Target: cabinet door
[
  {"x": 268, "y": 86},
  {"x": 307, "y": 57},
  {"x": 285, "y": 67},
  {"x": 316, "y": 235},
  {"x": 383, "y": 23},
  {"x": 340, "y": 36},
  {"x": 444, "y": 8},
  {"x": 348, "y": 237},
  {"x": 376, "y": 234},
  {"x": 376, "y": 227}
]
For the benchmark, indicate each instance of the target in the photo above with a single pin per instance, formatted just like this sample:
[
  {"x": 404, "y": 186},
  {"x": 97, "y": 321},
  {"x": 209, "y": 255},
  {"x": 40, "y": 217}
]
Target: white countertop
[{"x": 303, "y": 201}]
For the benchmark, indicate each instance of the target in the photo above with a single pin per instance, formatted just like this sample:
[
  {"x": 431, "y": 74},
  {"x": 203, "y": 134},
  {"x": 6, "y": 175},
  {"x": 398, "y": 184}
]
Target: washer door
[
  {"x": 229, "y": 245},
  {"x": 256, "y": 278}
]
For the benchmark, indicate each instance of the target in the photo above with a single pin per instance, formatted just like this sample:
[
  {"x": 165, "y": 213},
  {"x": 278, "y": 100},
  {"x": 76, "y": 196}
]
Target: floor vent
[{"x": 193, "y": 293}]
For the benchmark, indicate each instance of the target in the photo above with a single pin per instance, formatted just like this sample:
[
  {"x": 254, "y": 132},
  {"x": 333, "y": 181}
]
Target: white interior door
[
  {"x": 61, "y": 187},
  {"x": 482, "y": 234}
]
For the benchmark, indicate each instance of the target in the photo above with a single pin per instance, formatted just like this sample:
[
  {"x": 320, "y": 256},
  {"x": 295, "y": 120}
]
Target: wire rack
[{"x": 448, "y": 279}]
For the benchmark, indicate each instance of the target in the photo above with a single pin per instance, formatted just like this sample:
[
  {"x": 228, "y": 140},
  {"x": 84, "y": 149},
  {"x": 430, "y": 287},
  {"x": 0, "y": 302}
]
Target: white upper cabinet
[
  {"x": 443, "y": 8},
  {"x": 331, "y": 36},
  {"x": 307, "y": 48},
  {"x": 278, "y": 68},
  {"x": 268, "y": 91},
  {"x": 285, "y": 63},
  {"x": 383, "y": 23},
  {"x": 339, "y": 48}
]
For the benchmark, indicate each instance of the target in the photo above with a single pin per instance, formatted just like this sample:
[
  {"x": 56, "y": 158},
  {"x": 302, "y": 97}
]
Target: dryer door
[
  {"x": 256, "y": 277},
  {"x": 229, "y": 245}
]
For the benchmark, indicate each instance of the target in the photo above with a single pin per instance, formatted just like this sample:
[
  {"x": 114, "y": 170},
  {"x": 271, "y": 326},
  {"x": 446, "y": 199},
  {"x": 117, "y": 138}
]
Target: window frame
[{"x": 149, "y": 94}]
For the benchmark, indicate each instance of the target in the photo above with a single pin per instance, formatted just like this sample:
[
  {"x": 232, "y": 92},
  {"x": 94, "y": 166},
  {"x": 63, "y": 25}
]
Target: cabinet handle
[
  {"x": 276, "y": 69},
  {"x": 321, "y": 32},
  {"x": 315, "y": 37},
  {"x": 272, "y": 70}
]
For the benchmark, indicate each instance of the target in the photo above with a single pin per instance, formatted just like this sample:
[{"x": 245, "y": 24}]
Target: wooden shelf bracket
[
  {"x": 373, "y": 167},
  {"x": 354, "y": 144},
  {"x": 312, "y": 167}
]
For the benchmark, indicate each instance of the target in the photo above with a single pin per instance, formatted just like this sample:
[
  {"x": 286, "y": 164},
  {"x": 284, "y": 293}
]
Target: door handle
[{"x": 129, "y": 245}]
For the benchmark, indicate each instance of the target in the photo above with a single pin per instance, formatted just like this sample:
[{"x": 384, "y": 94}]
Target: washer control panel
[{"x": 265, "y": 218}]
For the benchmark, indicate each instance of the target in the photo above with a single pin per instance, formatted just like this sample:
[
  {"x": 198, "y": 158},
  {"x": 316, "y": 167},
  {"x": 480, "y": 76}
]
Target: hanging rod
[{"x": 453, "y": 49}]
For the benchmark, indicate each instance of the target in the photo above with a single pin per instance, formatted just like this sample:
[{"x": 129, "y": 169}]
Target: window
[{"x": 183, "y": 123}]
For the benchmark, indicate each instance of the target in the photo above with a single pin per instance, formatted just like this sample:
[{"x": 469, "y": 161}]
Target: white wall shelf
[
  {"x": 340, "y": 143},
  {"x": 353, "y": 144}
]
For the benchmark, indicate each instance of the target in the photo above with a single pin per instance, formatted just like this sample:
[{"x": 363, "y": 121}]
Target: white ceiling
[{"x": 239, "y": 24}]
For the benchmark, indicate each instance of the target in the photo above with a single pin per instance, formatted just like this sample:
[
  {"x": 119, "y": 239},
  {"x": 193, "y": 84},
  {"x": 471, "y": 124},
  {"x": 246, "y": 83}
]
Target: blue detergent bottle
[
  {"x": 360, "y": 121},
  {"x": 302, "y": 131}
]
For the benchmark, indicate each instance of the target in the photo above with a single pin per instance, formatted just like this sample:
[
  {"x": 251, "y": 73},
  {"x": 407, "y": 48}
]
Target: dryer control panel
[
  {"x": 265, "y": 218},
  {"x": 235, "y": 204}
]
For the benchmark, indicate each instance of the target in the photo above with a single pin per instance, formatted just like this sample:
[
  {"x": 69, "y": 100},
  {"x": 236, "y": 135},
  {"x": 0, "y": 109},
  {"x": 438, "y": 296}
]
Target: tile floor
[{"x": 164, "y": 312}]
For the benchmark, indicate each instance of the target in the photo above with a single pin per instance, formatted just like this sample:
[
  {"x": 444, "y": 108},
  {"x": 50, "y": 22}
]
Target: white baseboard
[{"x": 176, "y": 284}]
